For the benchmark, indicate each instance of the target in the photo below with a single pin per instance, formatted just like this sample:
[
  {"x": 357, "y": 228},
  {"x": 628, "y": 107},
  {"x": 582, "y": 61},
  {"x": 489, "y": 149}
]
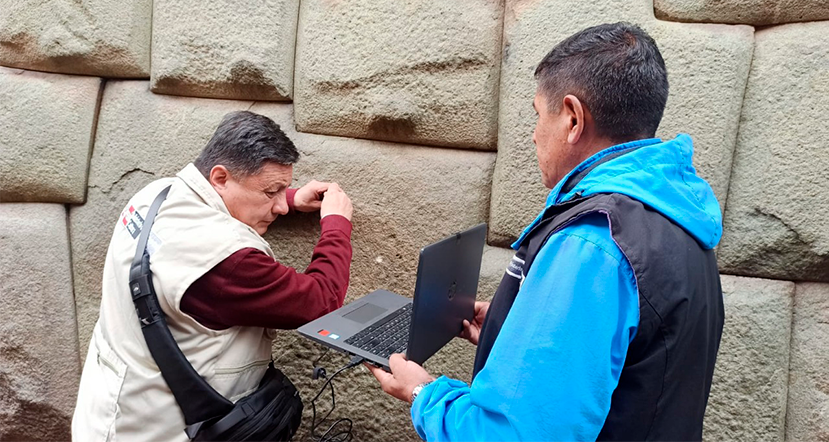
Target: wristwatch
[{"x": 417, "y": 389}]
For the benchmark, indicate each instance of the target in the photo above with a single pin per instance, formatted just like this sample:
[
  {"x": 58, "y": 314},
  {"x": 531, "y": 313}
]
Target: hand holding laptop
[
  {"x": 404, "y": 377},
  {"x": 472, "y": 330}
]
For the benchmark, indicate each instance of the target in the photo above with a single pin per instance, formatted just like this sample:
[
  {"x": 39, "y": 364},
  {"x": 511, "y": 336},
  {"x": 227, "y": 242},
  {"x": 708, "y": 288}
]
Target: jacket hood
[{"x": 660, "y": 174}]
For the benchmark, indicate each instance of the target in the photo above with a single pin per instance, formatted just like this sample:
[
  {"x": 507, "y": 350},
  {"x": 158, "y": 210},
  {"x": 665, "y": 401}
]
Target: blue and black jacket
[{"x": 607, "y": 322}]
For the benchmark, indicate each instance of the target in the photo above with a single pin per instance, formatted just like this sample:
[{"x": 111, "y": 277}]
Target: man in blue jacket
[{"x": 607, "y": 322}]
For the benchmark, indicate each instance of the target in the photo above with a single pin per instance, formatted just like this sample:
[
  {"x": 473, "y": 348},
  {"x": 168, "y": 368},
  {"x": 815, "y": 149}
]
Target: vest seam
[{"x": 597, "y": 245}]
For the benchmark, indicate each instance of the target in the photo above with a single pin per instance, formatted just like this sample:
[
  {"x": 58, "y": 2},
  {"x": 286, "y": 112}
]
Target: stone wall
[{"x": 421, "y": 110}]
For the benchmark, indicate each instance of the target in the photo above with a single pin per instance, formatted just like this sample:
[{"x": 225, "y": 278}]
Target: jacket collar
[
  {"x": 199, "y": 184},
  {"x": 563, "y": 191}
]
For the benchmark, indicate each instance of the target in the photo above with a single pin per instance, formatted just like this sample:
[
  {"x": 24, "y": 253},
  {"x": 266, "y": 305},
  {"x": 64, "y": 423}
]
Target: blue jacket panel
[{"x": 551, "y": 376}]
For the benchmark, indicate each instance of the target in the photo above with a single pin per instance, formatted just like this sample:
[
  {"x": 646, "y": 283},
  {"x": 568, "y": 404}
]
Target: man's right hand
[
  {"x": 336, "y": 202},
  {"x": 471, "y": 331}
]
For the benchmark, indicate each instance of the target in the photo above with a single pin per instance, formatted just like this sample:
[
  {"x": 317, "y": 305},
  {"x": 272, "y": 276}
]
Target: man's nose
[{"x": 280, "y": 206}]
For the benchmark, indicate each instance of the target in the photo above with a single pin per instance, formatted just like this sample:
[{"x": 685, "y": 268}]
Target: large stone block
[
  {"x": 107, "y": 38},
  {"x": 751, "y": 12},
  {"x": 777, "y": 222},
  {"x": 422, "y": 71},
  {"x": 707, "y": 69},
  {"x": 748, "y": 396},
  {"x": 240, "y": 50},
  {"x": 808, "y": 411},
  {"x": 39, "y": 368},
  {"x": 48, "y": 123}
]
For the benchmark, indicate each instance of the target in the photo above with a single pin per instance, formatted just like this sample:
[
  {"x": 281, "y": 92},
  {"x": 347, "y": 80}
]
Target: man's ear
[
  {"x": 574, "y": 110},
  {"x": 219, "y": 176}
]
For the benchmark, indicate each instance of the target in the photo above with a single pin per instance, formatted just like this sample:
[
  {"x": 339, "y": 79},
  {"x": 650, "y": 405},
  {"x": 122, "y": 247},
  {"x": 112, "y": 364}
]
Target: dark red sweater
[{"x": 249, "y": 288}]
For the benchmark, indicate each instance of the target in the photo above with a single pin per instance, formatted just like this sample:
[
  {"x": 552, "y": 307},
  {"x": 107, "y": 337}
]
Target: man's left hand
[
  {"x": 404, "y": 377},
  {"x": 308, "y": 198}
]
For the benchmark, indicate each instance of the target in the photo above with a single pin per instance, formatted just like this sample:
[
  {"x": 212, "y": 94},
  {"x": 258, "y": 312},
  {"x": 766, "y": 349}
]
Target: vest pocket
[
  {"x": 237, "y": 382},
  {"x": 101, "y": 383}
]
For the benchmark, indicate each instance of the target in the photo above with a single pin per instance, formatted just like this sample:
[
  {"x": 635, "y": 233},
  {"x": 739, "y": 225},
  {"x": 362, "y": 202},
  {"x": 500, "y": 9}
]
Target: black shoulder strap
[{"x": 196, "y": 398}]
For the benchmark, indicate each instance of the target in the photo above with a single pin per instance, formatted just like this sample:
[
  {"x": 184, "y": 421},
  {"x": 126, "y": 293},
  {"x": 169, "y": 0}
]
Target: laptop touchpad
[{"x": 364, "y": 313}]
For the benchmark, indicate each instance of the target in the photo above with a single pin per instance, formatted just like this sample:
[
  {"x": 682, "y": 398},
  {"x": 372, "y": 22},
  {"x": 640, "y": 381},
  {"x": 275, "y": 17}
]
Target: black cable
[
  {"x": 344, "y": 435},
  {"x": 317, "y": 361}
]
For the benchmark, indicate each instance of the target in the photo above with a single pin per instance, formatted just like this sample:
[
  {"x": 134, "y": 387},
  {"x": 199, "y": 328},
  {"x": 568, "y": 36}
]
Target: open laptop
[{"x": 382, "y": 323}]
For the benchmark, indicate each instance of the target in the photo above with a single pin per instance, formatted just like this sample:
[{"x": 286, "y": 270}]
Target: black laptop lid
[{"x": 445, "y": 292}]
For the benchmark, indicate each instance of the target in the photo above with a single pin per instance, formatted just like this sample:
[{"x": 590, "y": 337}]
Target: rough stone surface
[
  {"x": 39, "y": 368},
  {"x": 748, "y": 396},
  {"x": 423, "y": 72},
  {"x": 231, "y": 49},
  {"x": 808, "y": 411},
  {"x": 48, "y": 124},
  {"x": 404, "y": 197},
  {"x": 108, "y": 38},
  {"x": 750, "y": 12},
  {"x": 707, "y": 69},
  {"x": 777, "y": 222},
  {"x": 358, "y": 393}
]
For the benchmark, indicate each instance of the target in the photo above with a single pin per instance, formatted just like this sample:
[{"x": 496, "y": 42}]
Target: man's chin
[{"x": 263, "y": 227}]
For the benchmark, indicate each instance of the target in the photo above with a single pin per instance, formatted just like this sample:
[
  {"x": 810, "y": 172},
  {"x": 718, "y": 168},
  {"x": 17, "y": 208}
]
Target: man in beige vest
[{"x": 216, "y": 279}]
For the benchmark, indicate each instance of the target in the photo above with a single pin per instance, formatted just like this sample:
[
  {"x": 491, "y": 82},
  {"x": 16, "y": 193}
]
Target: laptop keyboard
[{"x": 387, "y": 336}]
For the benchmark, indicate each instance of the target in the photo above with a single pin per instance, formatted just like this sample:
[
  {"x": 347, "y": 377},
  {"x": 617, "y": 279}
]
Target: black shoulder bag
[{"x": 272, "y": 413}]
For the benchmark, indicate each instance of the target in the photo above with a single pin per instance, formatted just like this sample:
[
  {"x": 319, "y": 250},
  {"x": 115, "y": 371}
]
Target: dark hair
[
  {"x": 243, "y": 143},
  {"x": 616, "y": 70}
]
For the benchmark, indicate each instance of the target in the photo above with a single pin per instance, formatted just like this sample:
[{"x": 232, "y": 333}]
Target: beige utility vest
[{"x": 122, "y": 395}]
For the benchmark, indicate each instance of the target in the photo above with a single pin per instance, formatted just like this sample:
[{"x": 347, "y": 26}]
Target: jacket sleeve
[
  {"x": 559, "y": 355},
  {"x": 251, "y": 289}
]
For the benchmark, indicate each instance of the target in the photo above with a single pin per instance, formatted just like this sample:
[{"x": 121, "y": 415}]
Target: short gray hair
[{"x": 243, "y": 143}]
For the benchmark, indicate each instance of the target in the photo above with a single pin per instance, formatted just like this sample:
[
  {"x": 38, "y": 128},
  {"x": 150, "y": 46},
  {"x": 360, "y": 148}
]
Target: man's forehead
[{"x": 274, "y": 173}]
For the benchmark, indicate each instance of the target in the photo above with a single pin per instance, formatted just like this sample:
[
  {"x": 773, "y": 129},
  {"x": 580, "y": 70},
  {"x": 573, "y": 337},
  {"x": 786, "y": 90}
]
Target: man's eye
[{"x": 270, "y": 194}]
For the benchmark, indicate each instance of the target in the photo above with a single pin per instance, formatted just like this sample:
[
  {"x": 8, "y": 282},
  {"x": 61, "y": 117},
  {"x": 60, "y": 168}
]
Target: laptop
[{"x": 382, "y": 323}]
